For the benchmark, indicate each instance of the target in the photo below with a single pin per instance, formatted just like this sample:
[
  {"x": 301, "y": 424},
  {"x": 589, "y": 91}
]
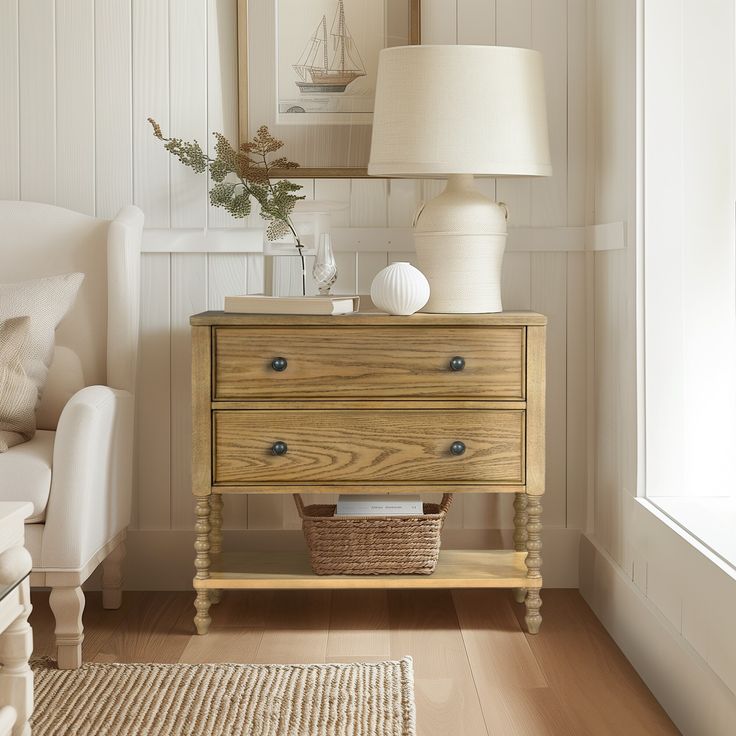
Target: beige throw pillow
[
  {"x": 18, "y": 392},
  {"x": 45, "y": 301}
]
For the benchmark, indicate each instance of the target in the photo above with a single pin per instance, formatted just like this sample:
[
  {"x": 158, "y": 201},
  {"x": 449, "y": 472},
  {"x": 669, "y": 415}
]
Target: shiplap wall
[{"x": 78, "y": 79}]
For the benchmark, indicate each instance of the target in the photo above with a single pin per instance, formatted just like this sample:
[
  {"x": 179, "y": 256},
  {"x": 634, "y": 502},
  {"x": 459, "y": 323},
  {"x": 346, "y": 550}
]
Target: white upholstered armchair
[{"x": 77, "y": 470}]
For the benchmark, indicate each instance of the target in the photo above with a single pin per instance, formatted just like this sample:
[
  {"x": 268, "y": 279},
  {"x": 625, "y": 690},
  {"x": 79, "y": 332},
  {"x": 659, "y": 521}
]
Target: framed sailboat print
[{"x": 307, "y": 69}]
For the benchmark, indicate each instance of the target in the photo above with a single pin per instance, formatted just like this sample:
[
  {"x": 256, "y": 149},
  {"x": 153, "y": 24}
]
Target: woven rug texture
[{"x": 374, "y": 699}]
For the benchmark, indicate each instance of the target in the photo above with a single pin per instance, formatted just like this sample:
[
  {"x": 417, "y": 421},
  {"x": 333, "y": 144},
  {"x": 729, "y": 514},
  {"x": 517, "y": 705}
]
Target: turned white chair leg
[
  {"x": 68, "y": 605},
  {"x": 112, "y": 578},
  {"x": 16, "y": 678}
]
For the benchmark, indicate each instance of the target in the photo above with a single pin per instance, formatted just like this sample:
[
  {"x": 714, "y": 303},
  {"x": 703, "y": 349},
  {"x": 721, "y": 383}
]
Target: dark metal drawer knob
[
  {"x": 279, "y": 364},
  {"x": 457, "y": 448},
  {"x": 279, "y": 448},
  {"x": 457, "y": 363}
]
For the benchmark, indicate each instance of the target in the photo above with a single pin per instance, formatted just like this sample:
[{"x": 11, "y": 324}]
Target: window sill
[{"x": 708, "y": 521}]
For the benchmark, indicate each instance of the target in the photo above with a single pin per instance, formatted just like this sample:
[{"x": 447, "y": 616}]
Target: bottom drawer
[{"x": 344, "y": 446}]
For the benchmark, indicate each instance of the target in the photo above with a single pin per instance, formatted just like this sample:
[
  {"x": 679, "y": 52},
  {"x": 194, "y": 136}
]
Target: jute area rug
[{"x": 375, "y": 699}]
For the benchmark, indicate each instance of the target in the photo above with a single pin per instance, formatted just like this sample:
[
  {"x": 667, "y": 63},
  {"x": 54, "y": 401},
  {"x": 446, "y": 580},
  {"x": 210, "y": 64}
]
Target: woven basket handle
[
  {"x": 299, "y": 504},
  {"x": 445, "y": 503}
]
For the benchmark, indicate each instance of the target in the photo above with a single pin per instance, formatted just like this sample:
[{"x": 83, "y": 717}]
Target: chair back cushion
[{"x": 102, "y": 327}]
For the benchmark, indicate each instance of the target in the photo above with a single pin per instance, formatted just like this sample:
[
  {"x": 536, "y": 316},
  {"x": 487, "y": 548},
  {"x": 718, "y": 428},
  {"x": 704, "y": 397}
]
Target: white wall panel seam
[
  {"x": 35, "y": 19},
  {"x": 20, "y": 129},
  {"x": 171, "y": 161},
  {"x": 206, "y": 280},
  {"x": 567, "y": 108},
  {"x": 56, "y": 102},
  {"x": 567, "y": 111},
  {"x": 206, "y": 103},
  {"x": 531, "y": 45},
  {"x": 94, "y": 108},
  {"x": 17, "y": 90},
  {"x": 10, "y": 181},
  {"x": 132, "y": 105},
  {"x": 172, "y": 474},
  {"x": 567, "y": 389}
]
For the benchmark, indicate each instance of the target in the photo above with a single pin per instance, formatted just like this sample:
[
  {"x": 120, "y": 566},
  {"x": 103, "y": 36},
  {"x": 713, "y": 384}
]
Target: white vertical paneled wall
[{"x": 78, "y": 78}]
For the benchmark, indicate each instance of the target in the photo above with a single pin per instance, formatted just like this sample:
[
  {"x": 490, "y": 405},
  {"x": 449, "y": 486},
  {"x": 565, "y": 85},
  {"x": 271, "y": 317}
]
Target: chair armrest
[{"x": 92, "y": 473}]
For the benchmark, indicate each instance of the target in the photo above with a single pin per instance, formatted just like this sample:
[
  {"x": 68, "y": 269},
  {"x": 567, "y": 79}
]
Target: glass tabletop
[{"x": 8, "y": 587}]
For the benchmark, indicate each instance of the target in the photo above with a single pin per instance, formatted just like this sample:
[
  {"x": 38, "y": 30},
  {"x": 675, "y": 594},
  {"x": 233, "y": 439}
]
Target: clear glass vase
[{"x": 325, "y": 266}]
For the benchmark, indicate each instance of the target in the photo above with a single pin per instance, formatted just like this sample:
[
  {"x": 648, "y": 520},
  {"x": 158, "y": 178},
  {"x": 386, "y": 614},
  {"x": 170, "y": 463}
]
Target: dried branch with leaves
[{"x": 243, "y": 174}]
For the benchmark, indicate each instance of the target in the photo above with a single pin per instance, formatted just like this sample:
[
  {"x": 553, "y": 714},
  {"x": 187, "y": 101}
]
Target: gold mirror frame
[{"x": 415, "y": 24}]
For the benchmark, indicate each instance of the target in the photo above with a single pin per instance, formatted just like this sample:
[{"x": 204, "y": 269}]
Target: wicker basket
[{"x": 373, "y": 545}]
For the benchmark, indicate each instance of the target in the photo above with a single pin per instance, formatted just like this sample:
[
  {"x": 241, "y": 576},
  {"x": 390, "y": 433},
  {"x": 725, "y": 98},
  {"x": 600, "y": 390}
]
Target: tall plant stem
[
  {"x": 304, "y": 269},
  {"x": 290, "y": 225},
  {"x": 300, "y": 249}
]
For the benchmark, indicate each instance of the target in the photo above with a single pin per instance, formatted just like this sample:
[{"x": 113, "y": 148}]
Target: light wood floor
[{"x": 476, "y": 672}]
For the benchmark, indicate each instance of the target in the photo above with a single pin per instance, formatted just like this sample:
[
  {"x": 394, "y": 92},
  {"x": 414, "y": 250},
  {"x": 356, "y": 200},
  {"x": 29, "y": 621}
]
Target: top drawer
[{"x": 357, "y": 363}]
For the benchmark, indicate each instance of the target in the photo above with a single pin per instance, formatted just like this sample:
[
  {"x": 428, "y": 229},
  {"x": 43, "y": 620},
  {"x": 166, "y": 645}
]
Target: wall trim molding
[
  {"x": 693, "y": 695},
  {"x": 162, "y": 559},
  {"x": 608, "y": 236}
]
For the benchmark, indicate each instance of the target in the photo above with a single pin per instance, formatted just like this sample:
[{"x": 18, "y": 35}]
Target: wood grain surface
[
  {"x": 201, "y": 423},
  {"x": 459, "y": 488},
  {"x": 535, "y": 426},
  {"x": 456, "y": 568},
  {"x": 407, "y": 362},
  {"x": 476, "y": 673},
  {"x": 369, "y": 319},
  {"x": 352, "y": 446}
]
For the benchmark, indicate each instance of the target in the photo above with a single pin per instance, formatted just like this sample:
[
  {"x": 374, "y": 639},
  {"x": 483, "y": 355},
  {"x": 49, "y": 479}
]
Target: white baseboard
[
  {"x": 693, "y": 695},
  {"x": 162, "y": 560}
]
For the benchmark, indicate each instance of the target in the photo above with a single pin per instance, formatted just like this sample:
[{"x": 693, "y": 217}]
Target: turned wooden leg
[
  {"x": 533, "y": 603},
  {"x": 67, "y": 605},
  {"x": 112, "y": 578},
  {"x": 216, "y": 503},
  {"x": 520, "y": 535},
  {"x": 533, "y": 563},
  {"x": 16, "y": 678},
  {"x": 202, "y": 563}
]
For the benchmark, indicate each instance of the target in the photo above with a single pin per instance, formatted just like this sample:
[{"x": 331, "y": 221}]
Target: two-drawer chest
[{"x": 368, "y": 403}]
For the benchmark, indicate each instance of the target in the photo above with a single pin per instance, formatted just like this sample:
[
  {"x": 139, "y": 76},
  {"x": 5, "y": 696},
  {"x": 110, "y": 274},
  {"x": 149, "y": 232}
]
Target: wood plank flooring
[{"x": 476, "y": 672}]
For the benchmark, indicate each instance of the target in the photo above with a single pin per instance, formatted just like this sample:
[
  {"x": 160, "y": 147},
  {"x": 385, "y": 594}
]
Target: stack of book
[
  {"x": 260, "y": 304},
  {"x": 378, "y": 505}
]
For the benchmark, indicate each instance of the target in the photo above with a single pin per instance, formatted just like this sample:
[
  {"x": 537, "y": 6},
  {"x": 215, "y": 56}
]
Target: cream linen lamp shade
[{"x": 455, "y": 112}]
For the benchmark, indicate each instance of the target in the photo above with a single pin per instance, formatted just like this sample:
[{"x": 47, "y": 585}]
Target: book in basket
[
  {"x": 379, "y": 505},
  {"x": 260, "y": 304}
]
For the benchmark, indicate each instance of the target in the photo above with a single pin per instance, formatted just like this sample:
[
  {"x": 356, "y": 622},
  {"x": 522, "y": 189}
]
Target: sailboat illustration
[{"x": 317, "y": 72}]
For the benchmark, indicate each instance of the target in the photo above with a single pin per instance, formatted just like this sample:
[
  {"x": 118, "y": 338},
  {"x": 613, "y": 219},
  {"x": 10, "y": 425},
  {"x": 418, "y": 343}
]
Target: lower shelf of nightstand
[{"x": 291, "y": 570}]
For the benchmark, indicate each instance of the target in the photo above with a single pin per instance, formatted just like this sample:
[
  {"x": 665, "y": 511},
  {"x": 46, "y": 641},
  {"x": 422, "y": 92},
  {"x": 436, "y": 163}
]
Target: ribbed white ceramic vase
[{"x": 400, "y": 289}]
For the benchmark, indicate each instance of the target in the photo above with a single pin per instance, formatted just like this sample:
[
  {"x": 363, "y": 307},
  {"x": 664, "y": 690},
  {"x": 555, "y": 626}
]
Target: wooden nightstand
[{"x": 368, "y": 403}]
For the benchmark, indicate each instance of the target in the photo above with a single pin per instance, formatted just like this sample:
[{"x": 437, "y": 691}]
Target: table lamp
[{"x": 457, "y": 112}]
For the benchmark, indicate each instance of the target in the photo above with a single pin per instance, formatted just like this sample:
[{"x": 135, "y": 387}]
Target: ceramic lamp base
[{"x": 460, "y": 238}]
